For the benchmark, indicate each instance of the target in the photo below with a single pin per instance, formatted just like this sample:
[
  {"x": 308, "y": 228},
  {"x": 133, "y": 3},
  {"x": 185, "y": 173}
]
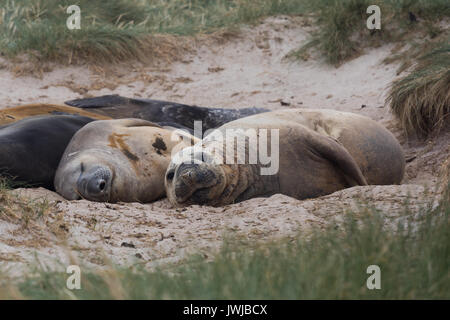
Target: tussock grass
[
  {"x": 421, "y": 100},
  {"x": 110, "y": 31},
  {"x": 414, "y": 264}
]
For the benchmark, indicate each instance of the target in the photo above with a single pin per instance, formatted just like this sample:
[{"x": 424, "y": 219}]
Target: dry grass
[
  {"x": 421, "y": 100},
  {"x": 35, "y": 217}
]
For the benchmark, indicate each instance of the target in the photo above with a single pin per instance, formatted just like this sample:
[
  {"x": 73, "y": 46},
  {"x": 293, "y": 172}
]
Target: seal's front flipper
[{"x": 99, "y": 102}]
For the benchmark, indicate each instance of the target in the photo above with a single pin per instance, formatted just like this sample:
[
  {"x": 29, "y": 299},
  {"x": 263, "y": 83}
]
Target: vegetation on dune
[
  {"x": 414, "y": 262},
  {"x": 110, "y": 31},
  {"x": 421, "y": 99},
  {"x": 342, "y": 32},
  {"x": 118, "y": 30}
]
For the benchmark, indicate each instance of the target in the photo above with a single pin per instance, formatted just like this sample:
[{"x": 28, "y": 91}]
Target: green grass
[{"x": 331, "y": 264}]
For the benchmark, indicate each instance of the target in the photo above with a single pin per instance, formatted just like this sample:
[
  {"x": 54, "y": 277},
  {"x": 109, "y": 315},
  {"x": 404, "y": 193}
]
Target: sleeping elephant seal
[
  {"x": 317, "y": 152},
  {"x": 162, "y": 111},
  {"x": 10, "y": 115},
  {"x": 118, "y": 160},
  {"x": 30, "y": 149}
]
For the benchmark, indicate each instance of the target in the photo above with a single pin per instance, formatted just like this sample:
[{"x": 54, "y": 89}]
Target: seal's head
[
  {"x": 122, "y": 160},
  {"x": 96, "y": 175},
  {"x": 193, "y": 177}
]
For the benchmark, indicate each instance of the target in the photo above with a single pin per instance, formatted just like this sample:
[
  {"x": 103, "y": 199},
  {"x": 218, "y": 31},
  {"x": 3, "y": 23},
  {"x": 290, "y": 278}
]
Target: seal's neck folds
[{"x": 244, "y": 181}]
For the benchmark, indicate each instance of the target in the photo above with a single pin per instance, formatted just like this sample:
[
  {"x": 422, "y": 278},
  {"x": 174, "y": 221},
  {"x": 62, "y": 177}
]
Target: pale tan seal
[
  {"x": 10, "y": 115},
  {"x": 117, "y": 160},
  {"x": 320, "y": 151}
]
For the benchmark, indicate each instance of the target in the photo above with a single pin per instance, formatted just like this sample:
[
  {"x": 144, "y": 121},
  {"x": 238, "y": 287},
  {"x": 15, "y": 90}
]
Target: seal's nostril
[
  {"x": 95, "y": 183},
  {"x": 170, "y": 175}
]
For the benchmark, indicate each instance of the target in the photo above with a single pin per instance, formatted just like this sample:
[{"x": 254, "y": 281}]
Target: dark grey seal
[{"x": 164, "y": 113}]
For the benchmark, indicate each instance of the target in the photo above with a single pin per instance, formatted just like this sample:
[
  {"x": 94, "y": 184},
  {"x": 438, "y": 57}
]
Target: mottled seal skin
[
  {"x": 118, "y": 160},
  {"x": 30, "y": 149},
  {"x": 321, "y": 151},
  {"x": 10, "y": 115},
  {"x": 160, "y": 112}
]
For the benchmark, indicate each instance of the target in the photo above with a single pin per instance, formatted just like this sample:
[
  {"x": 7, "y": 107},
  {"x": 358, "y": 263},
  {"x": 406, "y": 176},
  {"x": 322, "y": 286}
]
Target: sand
[{"x": 244, "y": 71}]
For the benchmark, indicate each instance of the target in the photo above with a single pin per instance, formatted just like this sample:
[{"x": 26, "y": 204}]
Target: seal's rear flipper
[
  {"x": 337, "y": 154},
  {"x": 99, "y": 102}
]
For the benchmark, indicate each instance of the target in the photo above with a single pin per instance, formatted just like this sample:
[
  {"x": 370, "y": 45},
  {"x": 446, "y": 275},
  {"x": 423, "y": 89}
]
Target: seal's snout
[
  {"x": 192, "y": 180},
  {"x": 95, "y": 184},
  {"x": 186, "y": 181}
]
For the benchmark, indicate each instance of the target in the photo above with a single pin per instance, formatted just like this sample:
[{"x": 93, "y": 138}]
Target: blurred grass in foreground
[{"x": 331, "y": 264}]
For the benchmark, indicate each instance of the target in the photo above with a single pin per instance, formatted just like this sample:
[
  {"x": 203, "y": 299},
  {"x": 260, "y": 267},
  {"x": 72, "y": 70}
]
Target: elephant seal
[
  {"x": 30, "y": 149},
  {"x": 162, "y": 111},
  {"x": 10, "y": 115},
  {"x": 320, "y": 152},
  {"x": 118, "y": 161}
]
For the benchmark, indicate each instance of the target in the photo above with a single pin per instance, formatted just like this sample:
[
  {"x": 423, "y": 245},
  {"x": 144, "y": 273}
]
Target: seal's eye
[{"x": 170, "y": 175}]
